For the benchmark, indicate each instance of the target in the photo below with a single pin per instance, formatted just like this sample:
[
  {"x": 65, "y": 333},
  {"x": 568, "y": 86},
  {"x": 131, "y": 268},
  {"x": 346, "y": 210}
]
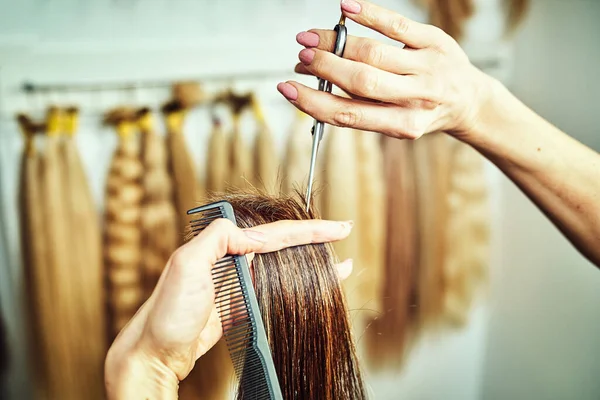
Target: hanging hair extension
[
  {"x": 339, "y": 202},
  {"x": 266, "y": 161},
  {"x": 240, "y": 155},
  {"x": 371, "y": 217},
  {"x": 433, "y": 169},
  {"x": 516, "y": 12},
  {"x": 65, "y": 284},
  {"x": 159, "y": 220},
  {"x": 467, "y": 233},
  {"x": 450, "y": 15},
  {"x": 217, "y": 159},
  {"x": 181, "y": 166},
  {"x": 390, "y": 332},
  {"x": 297, "y": 154},
  {"x": 124, "y": 195},
  {"x": 303, "y": 308},
  {"x": 84, "y": 235},
  {"x": 44, "y": 346}
]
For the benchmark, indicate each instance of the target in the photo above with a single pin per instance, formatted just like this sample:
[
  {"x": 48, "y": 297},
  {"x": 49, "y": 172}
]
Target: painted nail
[
  {"x": 255, "y": 235},
  {"x": 347, "y": 225},
  {"x": 306, "y": 56},
  {"x": 344, "y": 269},
  {"x": 288, "y": 91},
  {"x": 350, "y": 6},
  {"x": 308, "y": 39}
]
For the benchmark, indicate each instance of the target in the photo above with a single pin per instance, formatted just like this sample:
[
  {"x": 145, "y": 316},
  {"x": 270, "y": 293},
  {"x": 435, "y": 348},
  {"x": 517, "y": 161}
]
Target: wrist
[{"x": 136, "y": 375}]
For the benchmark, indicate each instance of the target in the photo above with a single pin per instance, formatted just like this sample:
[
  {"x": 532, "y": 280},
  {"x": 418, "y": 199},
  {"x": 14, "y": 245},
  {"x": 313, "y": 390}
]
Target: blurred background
[{"x": 202, "y": 67}]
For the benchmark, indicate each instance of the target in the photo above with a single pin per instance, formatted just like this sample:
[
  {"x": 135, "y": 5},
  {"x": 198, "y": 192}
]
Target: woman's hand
[
  {"x": 429, "y": 85},
  {"x": 179, "y": 322}
]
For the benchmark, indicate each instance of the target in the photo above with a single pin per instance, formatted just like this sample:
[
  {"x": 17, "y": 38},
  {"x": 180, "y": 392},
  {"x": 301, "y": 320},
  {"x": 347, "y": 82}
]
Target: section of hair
[
  {"x": 467, "y": 233},
  {"x": 303, "y": 308},
  {"x": 266, "y": 161},
  {"x": 450, "y": 15},
  {"x": 123, "y": 254},
  {"x": 389, "y": 333},
  {"x": 217, "y": 159},
  {"x": 516, "y": 12},
  {"x": 297, "y": 154},
  {"x": 85, "y": 240},
  {"x": 158, "y": 218},
  {"x": 182, "y": 170}
]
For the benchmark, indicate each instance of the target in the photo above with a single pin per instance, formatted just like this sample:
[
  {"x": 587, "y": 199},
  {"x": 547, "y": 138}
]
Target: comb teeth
[{"x": 240, "y": 316}]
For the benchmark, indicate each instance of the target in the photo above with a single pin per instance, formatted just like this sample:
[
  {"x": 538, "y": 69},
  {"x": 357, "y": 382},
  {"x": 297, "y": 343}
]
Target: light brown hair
[{"x": 302, "y": 306}]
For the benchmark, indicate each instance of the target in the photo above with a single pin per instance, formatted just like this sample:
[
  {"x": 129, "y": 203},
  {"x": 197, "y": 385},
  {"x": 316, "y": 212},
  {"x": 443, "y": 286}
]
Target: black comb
[{"x": 240, "y": 316}]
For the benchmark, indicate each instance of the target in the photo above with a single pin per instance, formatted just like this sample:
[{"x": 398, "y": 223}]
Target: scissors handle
[{"x": 319, "y": 126}]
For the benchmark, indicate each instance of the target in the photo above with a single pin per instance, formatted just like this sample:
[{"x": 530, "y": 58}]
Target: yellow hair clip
[
  {"x": 124, "y": 129},
  {"x": 175, "y": 120},
  {"x": 145, "y": 122},
  {"x": 71, "y": 121}
]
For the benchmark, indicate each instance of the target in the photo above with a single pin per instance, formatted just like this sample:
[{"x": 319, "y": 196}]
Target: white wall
[{"x": 544, "y": 333}]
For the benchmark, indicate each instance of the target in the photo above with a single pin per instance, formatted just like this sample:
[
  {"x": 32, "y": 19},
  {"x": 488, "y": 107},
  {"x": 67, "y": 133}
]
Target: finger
[
  {"x": 384, "y": 118},
  {"x": 393, "y": 25},
  {"x": 369, "y": 51},
  {"x": 361, "y": 79},
  {"x": 301, "y": 69},
  {"x": 344, "y": 269},
  {"x": 282, "y": 234}
]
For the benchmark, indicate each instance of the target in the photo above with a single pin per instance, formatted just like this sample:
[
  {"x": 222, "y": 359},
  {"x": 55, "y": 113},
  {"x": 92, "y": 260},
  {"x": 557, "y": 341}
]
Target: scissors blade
[{"x": 317, "y": 136}]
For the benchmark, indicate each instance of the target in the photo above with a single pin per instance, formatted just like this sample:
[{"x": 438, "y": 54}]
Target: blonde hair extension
[
  {"x": 217, "y": 159},
  {"x": 43, "y": 340},
  {"x": 297, "y": 154},
  {"x": 181, "y": 167},
  {"x": 158, "y": 218},
  {"x": 65, "y": 302},
  {"x": 86, "y": 240},
  {"x": 433, "y": 170},
  {"x": 371, "y": 218},
  {"x": 467, "y": 233},
  {"x": 124, "y": 193},
  {"x": 266, "y": 161},
  {"x": 339, "y": 201},
  {"x": 240, "y": 158},
  {"x": 390, "y": 332}
]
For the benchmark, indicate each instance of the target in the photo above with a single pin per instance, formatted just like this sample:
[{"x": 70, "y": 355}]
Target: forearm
[
  {"x": 134, "y": 377},
  {"x": 561, "y": 175}
]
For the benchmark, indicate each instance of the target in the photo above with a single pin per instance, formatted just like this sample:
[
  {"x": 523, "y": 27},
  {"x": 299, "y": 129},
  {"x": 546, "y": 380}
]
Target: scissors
[{"x": 324, "y": 86}]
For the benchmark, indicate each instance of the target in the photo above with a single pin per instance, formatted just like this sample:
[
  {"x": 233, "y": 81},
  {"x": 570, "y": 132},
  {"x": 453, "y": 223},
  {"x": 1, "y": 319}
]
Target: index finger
[
  {"x": 392, "y": 24},
  {"x": 281, "y": 234}
]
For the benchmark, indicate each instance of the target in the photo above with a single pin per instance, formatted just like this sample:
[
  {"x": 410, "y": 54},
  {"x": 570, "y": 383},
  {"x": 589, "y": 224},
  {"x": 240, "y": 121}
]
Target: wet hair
[{"x": 303, "y": 307}]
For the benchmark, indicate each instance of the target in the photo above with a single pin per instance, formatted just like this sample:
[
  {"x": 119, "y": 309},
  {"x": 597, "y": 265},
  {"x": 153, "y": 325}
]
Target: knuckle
[
  {"x": 348, "y": 117},
  {"x": 399, "y": 25},
  {"x": 221, "y": 224},
  {"x": 372, "y": 53},
  {"x": 365, "y": 82}
]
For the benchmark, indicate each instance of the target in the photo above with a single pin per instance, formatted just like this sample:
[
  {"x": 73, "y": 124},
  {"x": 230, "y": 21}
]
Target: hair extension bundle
[
  {"x": 240, "y": 158},
  {"x": 217, "y": 159},
  {"x": 158, "y": 218},
  {"x": 467, "y": 233},
  {"x": 43, "y": 337},
  {"x": 371, "y": 218},
  {"x": 303, "y": 308},
  {"x": 266, "y": 162},
  {"x": 297, "y": 154},
  {"x": 65, "y": 301},
  {"x": 433, "y": 170},
  {"x": 390, "y": 332},
  {"x": 339, "y": 202},
  {"x": 183, "y": 173},
  {"x": 124, "y": 195},
  {"x": 86, "y": 240},
  {"x": 516, "y": 11},
  {"x": 450, "y": 15}
]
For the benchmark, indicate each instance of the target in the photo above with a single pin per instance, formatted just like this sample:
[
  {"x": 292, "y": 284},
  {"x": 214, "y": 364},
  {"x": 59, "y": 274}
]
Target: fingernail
[
  {"x": 288, "y": 91},
  {"x": 350, "y": 6},
  {"x": 306, "y": 56},
  {"x": 344, "y": 269},
  {"x": 348, "y": 225},
  {"x": 255, "y": 235},
  {"x": 308, "y": 39}
]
